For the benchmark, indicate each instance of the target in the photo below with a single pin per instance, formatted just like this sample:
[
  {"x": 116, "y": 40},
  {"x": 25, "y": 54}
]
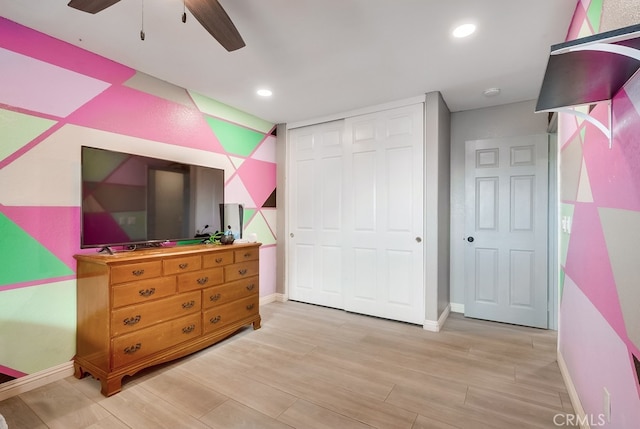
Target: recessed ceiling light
[
  {"x": 464, "y": 30},
  {"x": 491, "y": 92},
  {"x": 264, "y": 92}
]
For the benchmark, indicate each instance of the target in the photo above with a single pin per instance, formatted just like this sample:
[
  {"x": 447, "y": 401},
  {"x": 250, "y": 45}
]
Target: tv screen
[{"x": 131, "y": 199}]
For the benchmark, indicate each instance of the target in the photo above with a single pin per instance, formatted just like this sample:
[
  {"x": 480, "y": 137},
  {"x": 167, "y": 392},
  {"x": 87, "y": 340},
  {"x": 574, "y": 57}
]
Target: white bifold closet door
[{"x": 356, "y": 214}]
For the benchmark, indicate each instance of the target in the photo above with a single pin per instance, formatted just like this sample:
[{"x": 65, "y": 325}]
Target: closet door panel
[
  {"x": 384, "y": 214},
  {"x": 315, "y": 241}
]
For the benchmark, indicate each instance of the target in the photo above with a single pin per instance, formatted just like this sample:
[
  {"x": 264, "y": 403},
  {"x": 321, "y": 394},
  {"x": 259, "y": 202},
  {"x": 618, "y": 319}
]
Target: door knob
[
  {"x": 418, "y": 240},
  {"x": 291, "y": 235},
  {"x": 470, "y": 239}
]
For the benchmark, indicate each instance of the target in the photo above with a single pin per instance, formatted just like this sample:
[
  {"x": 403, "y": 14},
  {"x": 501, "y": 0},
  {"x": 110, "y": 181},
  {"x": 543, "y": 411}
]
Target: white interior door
[
  {"x": 506, "y": 192},
  {"x": 316, "y": 225},
  {"x": 383, "y": 259}
]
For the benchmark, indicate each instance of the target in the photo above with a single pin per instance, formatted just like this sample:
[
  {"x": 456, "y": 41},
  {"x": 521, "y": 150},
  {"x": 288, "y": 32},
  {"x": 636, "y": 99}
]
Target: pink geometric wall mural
[
  {"x": 54, "y": 99},
  {"x": 599, "y": 327}
]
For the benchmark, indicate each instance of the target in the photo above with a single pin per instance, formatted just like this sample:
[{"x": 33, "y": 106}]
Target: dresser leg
[
  {"x": 110, "y": 386},
  {"x": 256, "y": 323},
  {"x": 77, "y": 371}
]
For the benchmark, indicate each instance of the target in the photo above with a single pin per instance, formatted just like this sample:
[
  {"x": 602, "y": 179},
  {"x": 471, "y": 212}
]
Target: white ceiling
[{"x": 322, "y": 57}]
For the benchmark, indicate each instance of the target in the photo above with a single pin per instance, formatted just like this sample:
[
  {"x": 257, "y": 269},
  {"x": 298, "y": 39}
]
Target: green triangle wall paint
[
  {"x": 39, "y": 323},
  {"x": 19, "y": 129},
  {"x": 594, "y": 14},
  {"x": 17, "y": 247},
  {"x": 247, "y": 214},
  {"x": 231, "y": 114},
  {"x": 235, "y": 139}
]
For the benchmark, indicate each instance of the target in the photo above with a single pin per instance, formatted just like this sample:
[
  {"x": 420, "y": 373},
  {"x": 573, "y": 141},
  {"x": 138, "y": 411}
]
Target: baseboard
[
  {"x": 282, "y": 297},
  {"x": 457, "y": 308},
  {"x": 35, "y": 380},
  {"x": 573, "y": 393},
  {"x": 274, "y": 297},
  {"x": 430, "y": 325}
]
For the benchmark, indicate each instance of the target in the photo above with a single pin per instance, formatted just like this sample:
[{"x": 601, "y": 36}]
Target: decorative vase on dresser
[{"x": 141, "y": 308}]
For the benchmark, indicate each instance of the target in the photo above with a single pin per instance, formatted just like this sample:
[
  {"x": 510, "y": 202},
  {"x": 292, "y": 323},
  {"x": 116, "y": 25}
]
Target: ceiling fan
[{"x": 208, "y": 12}]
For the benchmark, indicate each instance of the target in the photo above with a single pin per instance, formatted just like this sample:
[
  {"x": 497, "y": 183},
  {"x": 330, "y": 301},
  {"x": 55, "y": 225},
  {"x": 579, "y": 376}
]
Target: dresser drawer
[
  {"x": 242, "y": 270},
  {"x": 127, "y": 319},
  {"x": 138, "y": 271},
  {"x": 143, "y": 291},
  {"x": 200, "y": 279},
  {"x": 250, "y": 254},
  {"x": 216, "y": 317},
  {"x": 223, "y": 294},
  {"x": 182, "y": 264},
  {"x": 217, "y": 259},
  {"x": 144, "y": 342}
]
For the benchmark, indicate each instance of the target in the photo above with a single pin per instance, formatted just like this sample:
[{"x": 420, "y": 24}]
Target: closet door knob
[{"x": 418, "y": 239}]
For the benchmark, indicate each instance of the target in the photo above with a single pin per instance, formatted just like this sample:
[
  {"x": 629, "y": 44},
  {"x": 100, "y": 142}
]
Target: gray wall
[
  {"x": 517, "y": 119},
  {"x": 438, "y": 142}
]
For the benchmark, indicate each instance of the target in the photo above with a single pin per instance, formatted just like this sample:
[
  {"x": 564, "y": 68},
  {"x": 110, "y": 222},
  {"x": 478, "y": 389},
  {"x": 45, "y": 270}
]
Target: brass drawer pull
[
  {"x": 242, "y": 272},
  {"x": 215, "y": 297},
  {"x": 183, "y": 266},
  {"x": 218, "y": 260},
  {"x": 250, "y": 307},
  {"x": 137, "y": 273},
  {"x": 147, "y": 292},
  {"x": 215, "y": 319},
  {"x": 251, "y": 286},
  {"x": 188, "y": 329},
  {"x": 189, "y": 304},
  {"x": 132, "y": 349},
  {"x": 130, "y": 321},
  {"x": 202, "y": 280}
]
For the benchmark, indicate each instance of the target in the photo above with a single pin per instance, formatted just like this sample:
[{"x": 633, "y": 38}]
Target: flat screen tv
[{"x": 137, "y": 201}]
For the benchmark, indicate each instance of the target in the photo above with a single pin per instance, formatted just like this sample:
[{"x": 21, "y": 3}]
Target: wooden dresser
[{"x": 141, "y": 308}]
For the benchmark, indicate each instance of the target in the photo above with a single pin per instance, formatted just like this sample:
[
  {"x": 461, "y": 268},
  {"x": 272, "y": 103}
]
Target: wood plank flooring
[{"x": 319, "y": 368}]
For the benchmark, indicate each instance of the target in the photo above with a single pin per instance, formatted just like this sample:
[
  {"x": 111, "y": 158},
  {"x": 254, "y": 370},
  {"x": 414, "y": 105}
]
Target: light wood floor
[{"x": 314, "y": 367}]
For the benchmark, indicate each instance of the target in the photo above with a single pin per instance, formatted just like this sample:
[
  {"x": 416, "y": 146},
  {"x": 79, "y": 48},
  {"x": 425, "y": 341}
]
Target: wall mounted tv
[{"x": 131, "y": 200}]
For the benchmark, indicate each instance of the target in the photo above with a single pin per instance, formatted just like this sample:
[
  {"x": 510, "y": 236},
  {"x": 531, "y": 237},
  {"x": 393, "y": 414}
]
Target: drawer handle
[
  {"x": 147, "y": 292},
  {"x": 130, "y": 321},
  {"x": 214, "y": 297},
  {"x": 188, "y": 329},
  {"x": 215, "y": 319},
  {"x": 218, "y": 260},
  {"x": 242, "y": 272},
  {"x": 183, "y": 266},
  {"x": 251, "y": 286},
  {"x": 189, "y": 304},
  {"x": 137, "y": 273},
  {"x": 132, "y": 349},
  {"x": 247, "y": 255},
  {"x": 250, "y": 307},
  {"x": 202, "y": 280}
]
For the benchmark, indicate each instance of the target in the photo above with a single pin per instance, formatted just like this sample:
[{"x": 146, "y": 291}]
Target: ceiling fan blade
[
  {"x": 91, "y": 6},
  {"x": 216, "y": 21}
]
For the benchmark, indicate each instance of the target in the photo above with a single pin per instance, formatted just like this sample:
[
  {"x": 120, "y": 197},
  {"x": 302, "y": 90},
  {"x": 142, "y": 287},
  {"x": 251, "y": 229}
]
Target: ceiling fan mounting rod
[{"x": 142, "y": 20}]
